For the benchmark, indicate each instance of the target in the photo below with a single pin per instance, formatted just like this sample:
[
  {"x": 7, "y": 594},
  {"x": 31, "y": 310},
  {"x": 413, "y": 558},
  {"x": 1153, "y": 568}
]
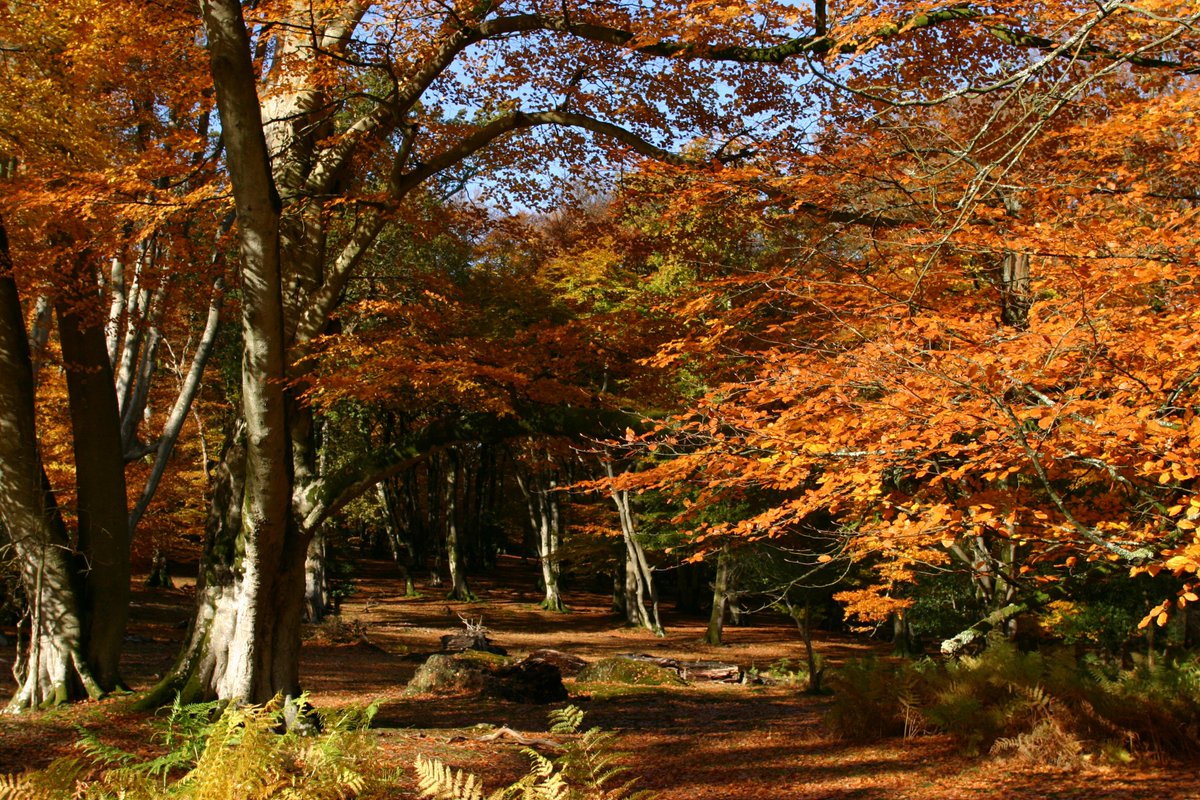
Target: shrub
[
  {"x": 873, "y": 699},
  {"x": 1037, "y": 707},
  {"x": 1154, "y": 710}
]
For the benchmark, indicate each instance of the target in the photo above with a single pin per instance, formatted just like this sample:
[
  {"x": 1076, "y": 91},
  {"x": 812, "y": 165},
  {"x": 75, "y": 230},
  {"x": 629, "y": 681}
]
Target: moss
[
  {"x": 458, "y": 672},
  {"x": 631, "y": 672},
  {"x": 483, "y": 658}
]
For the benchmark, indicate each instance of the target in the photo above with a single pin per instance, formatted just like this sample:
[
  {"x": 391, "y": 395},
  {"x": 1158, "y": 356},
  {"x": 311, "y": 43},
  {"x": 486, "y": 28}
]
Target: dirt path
[{"x": 700, "y": 742}]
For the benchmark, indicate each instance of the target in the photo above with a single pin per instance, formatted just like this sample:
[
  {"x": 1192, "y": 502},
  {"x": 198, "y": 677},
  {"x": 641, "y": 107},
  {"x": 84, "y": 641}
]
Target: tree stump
[
  {"x": 464, "y": 641},
  {"x": 480, "y": 673}
]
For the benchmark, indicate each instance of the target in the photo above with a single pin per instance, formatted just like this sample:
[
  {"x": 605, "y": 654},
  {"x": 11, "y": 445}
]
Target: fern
[
  {"x": 58, "y": 781},
  {"x": 437, "y": 781},
  {"x": 591, "y": 763},
  {"x": 12, "y": 787},
  {"x": 587, "y": 770},
  {"x": 566, "y": 720},
  {"x": 99, "y": 752}
]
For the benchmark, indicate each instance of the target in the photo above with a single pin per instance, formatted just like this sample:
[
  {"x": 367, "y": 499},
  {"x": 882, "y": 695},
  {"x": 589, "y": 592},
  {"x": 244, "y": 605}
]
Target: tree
[
  {"x": 81, "y": 190},
  {"x": 973, "y": 364}
]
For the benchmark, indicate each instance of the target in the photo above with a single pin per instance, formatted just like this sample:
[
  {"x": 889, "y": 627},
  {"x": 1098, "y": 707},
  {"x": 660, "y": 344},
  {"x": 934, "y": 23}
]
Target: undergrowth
[
  {"x": 1039, "y": 708},
  {"x": 587, "y": 768},
  {"x": 211, "y": 754},
  {"x": 239, "y": 753}
]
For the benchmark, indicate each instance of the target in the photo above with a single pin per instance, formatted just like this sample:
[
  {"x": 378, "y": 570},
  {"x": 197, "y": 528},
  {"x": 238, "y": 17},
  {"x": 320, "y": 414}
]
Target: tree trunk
[
  {"x": 256, "y": 642},
  {"x": 545, "y": 520},
  {"x": 620, "y": 593},
  {"x": 632, "y": 590},
  {"x": 459, "y": 590},
  {"x": 803, "y": 620},
  {"x": 183, "y": 404},
  {"x": 316, "y": 586},
  {"x": 401, "y": 545},
  {"x": 716, "y": 621},
  {"x": 1015, "y": 290},
  {"x": 102, "y": 511},
  {"x": 548, "y": 552},
  {"x": 636, "y": 563},
  {"x": 51, "y": 668}
]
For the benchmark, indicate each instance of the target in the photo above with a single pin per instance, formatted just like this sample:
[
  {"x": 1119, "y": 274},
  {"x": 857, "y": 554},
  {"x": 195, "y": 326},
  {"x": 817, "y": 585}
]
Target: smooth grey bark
[
  {"x": 316, "y": 587},
  {"x": 632, "y": 590},
  {"x": 138, "y": 309},
  {"x": 51, "y": 665},
  {"x": 256, "y": 643},
  {"x": 636, "y": 562},
  {"x": 459, "y": 589},
  {"x": 204, "y": 656},
  {"x": 539, "y": 487},
  {"x": 116, "y": 310},
  {"x": 183, "y": 404},
  {"x": 317, "y": 600},
  {"x": 549, "y": 536}
]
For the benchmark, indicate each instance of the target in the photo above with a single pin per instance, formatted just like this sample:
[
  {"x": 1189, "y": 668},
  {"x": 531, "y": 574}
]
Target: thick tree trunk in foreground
[
  {"x": 203, "y": 669},
  {"x": 256, "y": 654},
  {"x": 52, "y": 667}
]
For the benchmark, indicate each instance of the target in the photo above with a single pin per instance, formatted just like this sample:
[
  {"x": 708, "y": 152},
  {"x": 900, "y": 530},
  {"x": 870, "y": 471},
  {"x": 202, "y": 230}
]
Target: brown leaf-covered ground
[{"x": 698, "y": 742}]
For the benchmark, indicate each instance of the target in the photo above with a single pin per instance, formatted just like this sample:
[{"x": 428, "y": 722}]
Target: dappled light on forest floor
[{"x": 704, "y": 741}]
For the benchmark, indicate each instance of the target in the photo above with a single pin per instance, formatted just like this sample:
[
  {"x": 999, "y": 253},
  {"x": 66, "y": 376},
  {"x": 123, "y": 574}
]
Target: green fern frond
[
  {"x": 566, "y": 720},
  {"x": 101, "y": 752}
]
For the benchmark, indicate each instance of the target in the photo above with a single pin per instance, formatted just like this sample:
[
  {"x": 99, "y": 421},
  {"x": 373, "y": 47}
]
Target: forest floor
[{"x": 695, "y": 742}]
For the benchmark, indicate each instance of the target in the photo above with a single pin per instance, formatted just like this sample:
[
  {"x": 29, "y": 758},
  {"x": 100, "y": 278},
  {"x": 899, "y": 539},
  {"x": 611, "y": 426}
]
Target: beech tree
[
  {"x": 81, "y": 108},
  {"x": 971, "y": 361},
  {"x": 335, "y": 117}
]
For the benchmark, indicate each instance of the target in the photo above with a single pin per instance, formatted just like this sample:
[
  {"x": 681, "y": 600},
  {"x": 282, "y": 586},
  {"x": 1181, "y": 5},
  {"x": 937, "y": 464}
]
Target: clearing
[{"x": 695, "y": 742}]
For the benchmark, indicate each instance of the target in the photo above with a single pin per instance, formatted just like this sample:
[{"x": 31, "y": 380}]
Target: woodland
[{"x": 809, "y": 383}]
